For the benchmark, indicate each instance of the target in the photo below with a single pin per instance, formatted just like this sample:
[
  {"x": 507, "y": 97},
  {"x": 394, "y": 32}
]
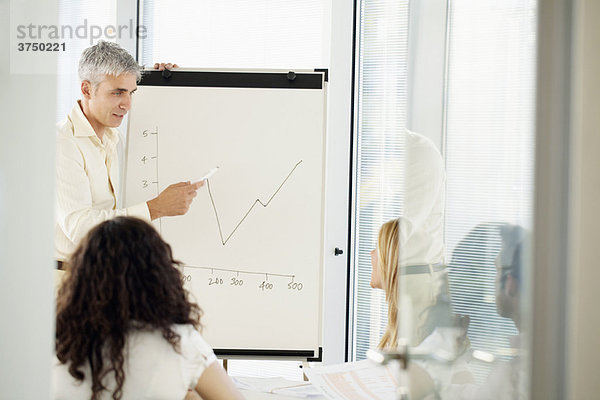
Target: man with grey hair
[{"x": 87, "y": 168}]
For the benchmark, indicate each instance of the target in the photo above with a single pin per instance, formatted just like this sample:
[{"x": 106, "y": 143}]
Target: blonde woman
[
  {"x": 424, "y": 288},
  {"x": 384, "y": 260},
  {"x": 425, "y": 297}
]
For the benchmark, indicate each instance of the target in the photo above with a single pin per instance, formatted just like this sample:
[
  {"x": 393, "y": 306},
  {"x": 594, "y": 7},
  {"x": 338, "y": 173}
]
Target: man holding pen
[{"x": 87, "y": 169}]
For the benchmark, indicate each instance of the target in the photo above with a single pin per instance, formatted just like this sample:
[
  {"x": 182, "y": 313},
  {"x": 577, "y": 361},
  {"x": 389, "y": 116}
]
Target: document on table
[
  {"x": 278, "y": 386},
  {"x": 362, "y": 380}
]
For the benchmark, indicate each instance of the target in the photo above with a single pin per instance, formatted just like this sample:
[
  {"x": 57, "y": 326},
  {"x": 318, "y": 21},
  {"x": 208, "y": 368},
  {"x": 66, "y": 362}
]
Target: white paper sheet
[
  {"x": 278, "y": 386},
  {"x": 360, "y": 380}
]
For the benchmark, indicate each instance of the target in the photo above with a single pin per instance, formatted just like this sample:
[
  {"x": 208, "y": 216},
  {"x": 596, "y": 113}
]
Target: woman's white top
[{"x": 153, "y": 369}]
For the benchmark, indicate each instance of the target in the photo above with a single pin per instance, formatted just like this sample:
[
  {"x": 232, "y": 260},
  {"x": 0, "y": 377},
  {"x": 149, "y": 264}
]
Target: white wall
[
  {"x": 584, "y": 318},
  {"x": 26, "y": 220}
]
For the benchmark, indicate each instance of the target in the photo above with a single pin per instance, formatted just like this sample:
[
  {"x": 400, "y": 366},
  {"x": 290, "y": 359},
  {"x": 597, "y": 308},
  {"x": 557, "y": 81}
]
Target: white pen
[{"x": 207, "y": 175}]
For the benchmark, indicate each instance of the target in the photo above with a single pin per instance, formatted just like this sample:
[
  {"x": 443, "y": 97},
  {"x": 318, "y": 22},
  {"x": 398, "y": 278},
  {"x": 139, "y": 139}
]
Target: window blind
[
  {"x": 382, "y": 81},
  {"x": 489, "y": 152}
]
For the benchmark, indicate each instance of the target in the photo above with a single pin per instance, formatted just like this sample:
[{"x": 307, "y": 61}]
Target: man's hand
[
  {"x": 174, "y": 200},
  {"x": 163, "y": 66}
]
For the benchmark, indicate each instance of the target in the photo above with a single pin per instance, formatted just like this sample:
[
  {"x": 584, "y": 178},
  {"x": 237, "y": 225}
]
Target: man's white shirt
[{"x": 87, "y": 181}]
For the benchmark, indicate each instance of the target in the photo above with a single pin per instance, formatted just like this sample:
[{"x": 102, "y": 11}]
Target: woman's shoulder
[
  {"x": 187, "y": 330},
  {"x": 192, "y": 342},
  {"x": 196, "y": 353}
]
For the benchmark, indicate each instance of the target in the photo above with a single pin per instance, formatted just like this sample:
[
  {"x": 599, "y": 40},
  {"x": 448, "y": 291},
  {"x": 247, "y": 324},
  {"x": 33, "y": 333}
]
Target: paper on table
[
  {"x": 277, "y": 385},
  {"x": 360, "y": 380},
  {"x": 306, "y": 390}
]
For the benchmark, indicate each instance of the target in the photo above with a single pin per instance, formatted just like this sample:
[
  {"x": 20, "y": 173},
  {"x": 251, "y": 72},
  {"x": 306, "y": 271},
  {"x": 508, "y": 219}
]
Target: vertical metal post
[{"x": 547, "y": 339}]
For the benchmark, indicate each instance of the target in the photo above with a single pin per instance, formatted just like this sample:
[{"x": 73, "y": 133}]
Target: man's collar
[{"x": 82, "y": 127}]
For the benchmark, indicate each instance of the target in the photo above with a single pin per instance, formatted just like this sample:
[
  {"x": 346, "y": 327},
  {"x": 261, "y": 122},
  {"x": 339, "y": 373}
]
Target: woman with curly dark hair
[{"x": 124, "y": 326}]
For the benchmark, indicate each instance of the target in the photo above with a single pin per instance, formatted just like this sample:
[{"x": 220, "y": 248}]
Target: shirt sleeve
[
  {"x": 421, "y": 223},
  {"x": 424, "y": 187},
  {"x": 74, "y": 211},
  {"x": 197, "y": 354}
]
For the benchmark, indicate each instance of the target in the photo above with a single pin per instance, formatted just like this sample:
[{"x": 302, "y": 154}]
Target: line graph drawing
[{"x": 257, "y": 201}]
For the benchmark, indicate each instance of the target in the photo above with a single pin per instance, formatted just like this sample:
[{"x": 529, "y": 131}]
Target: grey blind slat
[{"x": 382, "y": 63}]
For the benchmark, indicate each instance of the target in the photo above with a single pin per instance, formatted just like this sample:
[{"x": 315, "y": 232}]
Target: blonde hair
[{"x": 387, "y": 265}]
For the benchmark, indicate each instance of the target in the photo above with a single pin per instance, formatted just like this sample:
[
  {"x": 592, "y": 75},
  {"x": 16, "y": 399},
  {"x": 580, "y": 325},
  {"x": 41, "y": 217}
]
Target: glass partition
[{"x": 443, "y": 227}]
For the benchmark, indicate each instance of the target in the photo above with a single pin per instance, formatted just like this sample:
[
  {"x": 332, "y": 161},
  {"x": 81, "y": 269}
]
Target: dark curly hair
[{"x": 122, "y": 277}]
